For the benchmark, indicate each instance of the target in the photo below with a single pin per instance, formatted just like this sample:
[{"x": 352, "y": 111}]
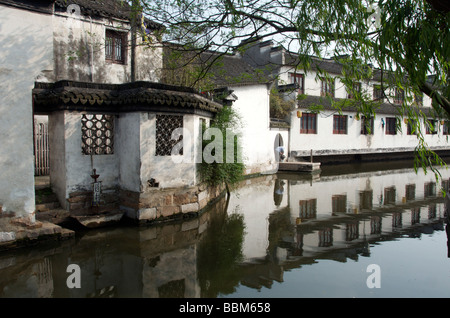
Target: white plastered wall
[
  {"x": 252, "y": 106},
  {"x": 26, "y": 56}
]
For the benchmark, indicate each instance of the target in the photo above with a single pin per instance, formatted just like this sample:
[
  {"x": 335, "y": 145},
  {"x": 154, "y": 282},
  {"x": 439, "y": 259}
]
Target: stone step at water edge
[{"x": 55, "y": 216}]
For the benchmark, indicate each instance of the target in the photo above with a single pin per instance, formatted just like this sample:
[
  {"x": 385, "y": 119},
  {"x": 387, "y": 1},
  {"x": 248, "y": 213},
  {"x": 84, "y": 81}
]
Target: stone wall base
[
  {"x": 152, "y": 205},
  {"x": 80, "y": 203},
  {"x": 165, "y": 204}
]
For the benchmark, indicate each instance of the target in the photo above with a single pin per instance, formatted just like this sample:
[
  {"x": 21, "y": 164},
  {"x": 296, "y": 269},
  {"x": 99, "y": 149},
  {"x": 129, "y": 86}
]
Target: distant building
[
  {"x": 342, "y": 136},
  {"x": 235, "y": 82}
]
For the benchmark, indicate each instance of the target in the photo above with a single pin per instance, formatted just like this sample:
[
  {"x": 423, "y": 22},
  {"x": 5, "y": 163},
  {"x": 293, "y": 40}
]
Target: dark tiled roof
[
  {"x": 222, "y": 69},
  {"x": 382, "y": 108},
  {"x": 137, "y": 96},
  {"x": 42, "y": 6},
  {"x": 329, "y": 65},
  {"x": 105, "y": 8},
  {"x": 233, "y": 70}
]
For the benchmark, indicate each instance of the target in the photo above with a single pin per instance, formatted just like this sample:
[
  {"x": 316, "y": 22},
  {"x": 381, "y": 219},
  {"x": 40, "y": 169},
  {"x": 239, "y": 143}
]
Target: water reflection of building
[
  {"x": 335, "y": 217},
  {"x": 251, "y": 240},
  {"x": 157, "y": 261}
]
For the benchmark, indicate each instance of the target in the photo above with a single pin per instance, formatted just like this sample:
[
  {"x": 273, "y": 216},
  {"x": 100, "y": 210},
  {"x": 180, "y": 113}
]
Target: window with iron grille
[
  {"x": 326, "y": 237},
  {"x": 97, "y": 134},
  {"x": 340, "y": 124},
  {"x": 165, "y": 125},
  {"x": 308, "y": 123},
  {"x": 115, "y": 46}
]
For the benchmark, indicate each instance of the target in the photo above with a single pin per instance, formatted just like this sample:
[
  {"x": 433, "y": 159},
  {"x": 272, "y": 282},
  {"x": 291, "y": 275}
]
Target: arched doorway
[{"x": 279, "y": 149}]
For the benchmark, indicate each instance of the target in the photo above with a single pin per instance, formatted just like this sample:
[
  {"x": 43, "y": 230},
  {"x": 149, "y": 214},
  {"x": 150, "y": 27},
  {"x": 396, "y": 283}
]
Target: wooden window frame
[
  {"x": 378, "y": 93},
  {"x": 308, "y": 123},
  {"x": 428, "y": 129},
  {"x": 327, "y": 87},
  {"x": 340, "y": 123},
  {"x": 116, "y": 38},
  {"x": 357, "y": 88},
  {"x": 399, "y": 96},
  {"x": 446, "y": 128},
  {"x": 409, "y": 129},
  {"x": 391, "y": 125},
  {"x": 364, "y": 130},
  {"x": 418, "y": 99},
  {"x": 297, "y": 78}
]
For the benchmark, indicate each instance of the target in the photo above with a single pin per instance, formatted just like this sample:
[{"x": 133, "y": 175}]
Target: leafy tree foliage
[
  {"x": 225, "y": 172},
  {"x": 404, "y": 42}
]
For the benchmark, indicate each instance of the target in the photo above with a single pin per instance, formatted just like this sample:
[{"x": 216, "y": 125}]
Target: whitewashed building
[
  {"x": 26, "y": 38},
  {"x": 94, "y": 70},
  {"x": 247, "y": 91},
  {"x": 342, "y": 136}
]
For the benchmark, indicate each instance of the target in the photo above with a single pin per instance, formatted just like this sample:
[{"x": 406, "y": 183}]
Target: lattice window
[
  {"x": 165, "y": 125},
  {"x": 115, "y": 46},
  {"x": 97, "y": 134}
]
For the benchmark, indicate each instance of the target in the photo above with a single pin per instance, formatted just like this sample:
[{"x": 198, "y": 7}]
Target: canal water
[{"x": 368, "y": 230}]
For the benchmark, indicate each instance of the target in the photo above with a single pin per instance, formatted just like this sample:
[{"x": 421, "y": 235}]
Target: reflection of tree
[{"x": 219, "y": 255}]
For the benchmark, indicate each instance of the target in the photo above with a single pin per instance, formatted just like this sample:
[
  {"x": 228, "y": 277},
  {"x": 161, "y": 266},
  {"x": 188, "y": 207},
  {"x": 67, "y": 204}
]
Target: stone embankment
[{"x": 18, "y": 232}]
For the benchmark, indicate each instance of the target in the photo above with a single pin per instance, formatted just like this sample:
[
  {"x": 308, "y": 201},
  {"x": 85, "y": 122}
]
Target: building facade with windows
[
  {"x": 93, "y": 68},
  {"x": 318, "y": 127}
]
